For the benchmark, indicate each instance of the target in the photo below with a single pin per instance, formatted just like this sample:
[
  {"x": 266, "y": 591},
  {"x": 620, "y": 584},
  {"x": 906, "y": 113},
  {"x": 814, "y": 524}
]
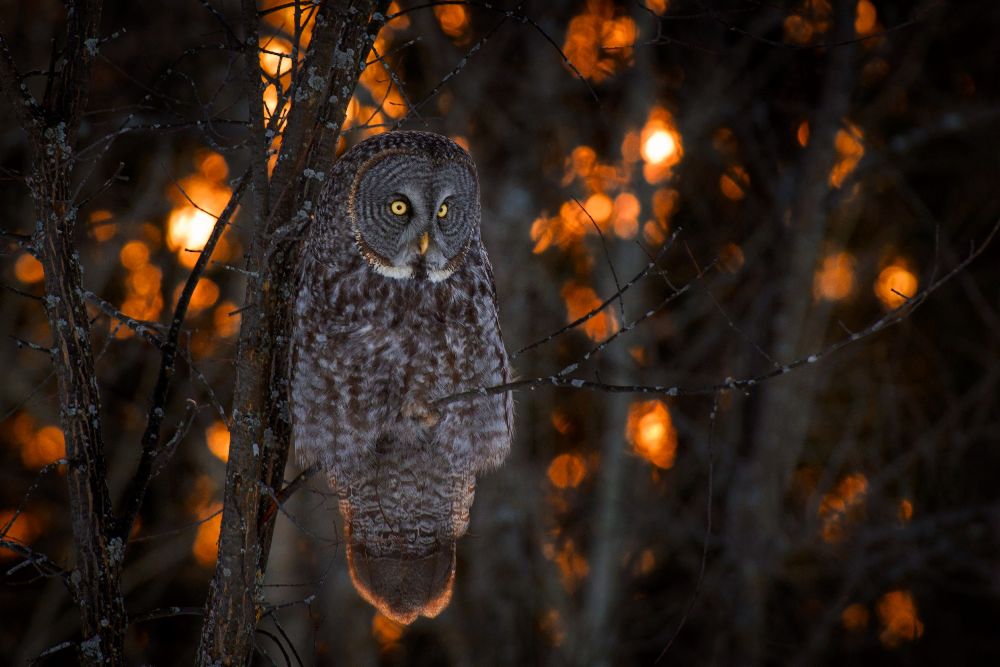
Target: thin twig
[
  {"x": 151, "y": 436},
  {"x": 889, "y": 319},
  {"x": 604, "y": 304}
]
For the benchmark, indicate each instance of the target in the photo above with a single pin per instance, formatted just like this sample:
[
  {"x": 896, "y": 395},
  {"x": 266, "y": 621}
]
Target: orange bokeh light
[
  {"x": 100, "y": 226},
  {"x": 189, "y": 226},
  {"x": 597, "y": 42},
  {"x": 802, "y": 134},
  {"x": 567, "y": 471},
  {"x": 850, "y": 150},
  {"x": 626, "y": 215},
  {"x": 842, "y": 506},
  {"x": 660, "y": 145},
  {"x": 134, "y": 255},
  {"x": 900, "y": 620},
  {"x": 580, "y": 300},
  {"x": 46, "y": 446},
  {"x": 205, "y": 294},
  {"x": 734, "y": 183},
  {"x": 866, "y": 18},
  {"x": 386, "y": 631},
  {"x": 905, "y": 510},
  {"x": 217, "y": 440},
  {"x": 453, "y": 19},
  {"x": 834, "y": 280},
  {"x": 25, "y": 529},
  {"x": 599, "y": 207},
  {"x": 855, "y": 617},
  {"x": 206, "y": 540},
  {"x": 226, "y": 319},
  {"x": 573, "y": 567},
  {"x": 650, "y": 430},
  {"x": 896, "y": 283},
  {"x": 28, "y": 270}
]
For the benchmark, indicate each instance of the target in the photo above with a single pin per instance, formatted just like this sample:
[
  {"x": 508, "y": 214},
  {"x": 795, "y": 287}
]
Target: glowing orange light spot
[
  {"x": 905, "y": 510},
  {"x": 900, "y": 621},
  {"x": 205, "y": 294},
  {"x": 399, "y": 22},
  {"x": 47, "y": 446},
  {"x": 896, "y": 283},
  {"x": 552, "y": 625},
  {"x": 632, "y": 147},
  {"x": 854, "y": 618},
  {"x": 661, "y": 147},
  {"x": 646, "y": 562},
  {"x": 100, "y": 226},
  {"x": 850, "y": 150},
  {"x": 664, "y": 205},
  {"x": 834, "y": 280},
  {"x": 582, "y": 161},
  {"x": 275, "y": 58},
  {"x": 145, "y": 280},
  {"x": 802, "y": 133},
  {"x": 561, "y": 422},
  {"x": 453, "y": 19},
  {"x": 841, "y": 507},
  {"x": 573, "y": 567},
  {"x": 638, "y": 354},
  {"x": 598, "y": 43},
  {"x": 658, "y": 146},
  {"x": 600, "y": 207},
  {"x": 797, "y": 29},
  {"x": 658, "y": 6},
  {"x": 134, "y": 255},
  {"x": 386, "y": 631},
  {"x": 24, "y": 530},
  {"x": 618, "y": 34},
  {"x": 810, "y": 18},
  {"x": 226, "y": 320},
  {"x": 734, "y": 183},
  {"x": 653, "y": 233},
  {"x": 626, "y": 215},
  {"x": 651, "y": 432},
  {"x": 567, "y": 471},
  {"x": 217, "y": 440},
  {"x": 28, "y": 270},
  {"x": 732, "y": 258},
  {"x": 281, "y": 15},
  {"x": 206, "y": 540},
  {"x": 189, "y": 226},
  {"x": 864, "y": 23},
  {"x": 580, "y": 300}
]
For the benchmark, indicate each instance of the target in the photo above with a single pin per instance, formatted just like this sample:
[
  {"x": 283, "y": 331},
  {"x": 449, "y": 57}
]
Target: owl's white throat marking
[
  {"x": 390, "y": 271},
  {"x": 437, "y": 275}
]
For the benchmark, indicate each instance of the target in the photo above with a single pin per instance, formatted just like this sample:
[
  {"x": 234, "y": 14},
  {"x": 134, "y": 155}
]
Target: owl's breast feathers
[{"x": 367, "y": 349}]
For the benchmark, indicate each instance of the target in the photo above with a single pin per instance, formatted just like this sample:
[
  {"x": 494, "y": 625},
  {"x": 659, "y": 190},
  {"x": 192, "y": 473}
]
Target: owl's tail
[{"x": 404, "y": 587}]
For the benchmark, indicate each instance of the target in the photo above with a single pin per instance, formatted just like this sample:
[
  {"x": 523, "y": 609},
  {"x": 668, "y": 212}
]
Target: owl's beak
[{"x": 425, "y": 240}]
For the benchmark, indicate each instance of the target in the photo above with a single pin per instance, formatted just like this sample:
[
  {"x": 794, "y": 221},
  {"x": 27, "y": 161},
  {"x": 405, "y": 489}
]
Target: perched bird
[{"x": 396, "y": 308}]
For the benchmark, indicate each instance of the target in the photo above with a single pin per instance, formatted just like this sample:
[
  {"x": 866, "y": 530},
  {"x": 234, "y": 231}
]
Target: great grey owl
[{"x": 397, "y": 308}]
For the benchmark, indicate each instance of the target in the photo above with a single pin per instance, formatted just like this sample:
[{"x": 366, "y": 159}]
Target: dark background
[{"x": 824, "y": 154}]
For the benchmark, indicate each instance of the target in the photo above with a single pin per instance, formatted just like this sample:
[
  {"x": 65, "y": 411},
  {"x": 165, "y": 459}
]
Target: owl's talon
[{"x": 419, "y": 411}]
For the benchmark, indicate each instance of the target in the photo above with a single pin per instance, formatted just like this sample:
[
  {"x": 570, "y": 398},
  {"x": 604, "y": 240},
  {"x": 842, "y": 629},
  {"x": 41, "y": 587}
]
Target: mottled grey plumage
[{"x": 388, "y": 320}]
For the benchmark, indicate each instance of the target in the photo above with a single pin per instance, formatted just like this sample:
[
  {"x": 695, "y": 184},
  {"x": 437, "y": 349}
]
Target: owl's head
[{"x": 414, "y": 205}]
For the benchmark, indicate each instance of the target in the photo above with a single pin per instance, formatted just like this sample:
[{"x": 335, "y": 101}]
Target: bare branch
[
  {"x": 560, "y": 379},
  {"x": 151, "y": 436}
]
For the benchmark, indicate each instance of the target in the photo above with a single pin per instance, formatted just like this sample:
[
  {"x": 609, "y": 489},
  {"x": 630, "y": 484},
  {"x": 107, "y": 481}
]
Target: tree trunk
[{"x": 261, "y": 429}]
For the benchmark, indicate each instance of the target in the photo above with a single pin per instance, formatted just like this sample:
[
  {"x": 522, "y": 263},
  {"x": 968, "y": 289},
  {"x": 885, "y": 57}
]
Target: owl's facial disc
[{"x": 414, "y": 217}]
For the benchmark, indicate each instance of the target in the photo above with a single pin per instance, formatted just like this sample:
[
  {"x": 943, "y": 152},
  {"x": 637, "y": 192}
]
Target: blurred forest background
[{"x": 797, "y": 171}]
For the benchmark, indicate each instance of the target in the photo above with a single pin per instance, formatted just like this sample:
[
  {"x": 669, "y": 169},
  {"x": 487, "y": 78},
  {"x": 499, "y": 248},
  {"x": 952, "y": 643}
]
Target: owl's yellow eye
[
  {"x": 398, "y": 207},
  {"x": 443, "y": 211}
]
